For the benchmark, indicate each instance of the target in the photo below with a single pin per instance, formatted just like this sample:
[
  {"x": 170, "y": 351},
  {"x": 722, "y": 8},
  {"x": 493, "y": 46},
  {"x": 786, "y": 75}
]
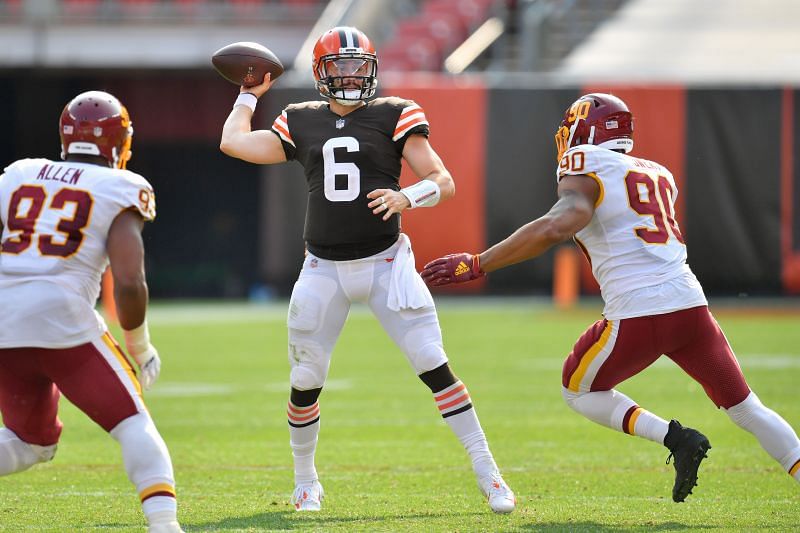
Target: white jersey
[
  {"x": 56, "y": 217},
  {"x": 633, "y": 242}
]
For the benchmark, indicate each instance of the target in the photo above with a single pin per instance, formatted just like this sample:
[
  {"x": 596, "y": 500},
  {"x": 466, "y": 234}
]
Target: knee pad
[
  {"x": 423, "y": 347},
  {"x": 44, "y": 453},
  {"x": 309, "y": 364},
  {"x": 570, "y": 397},
  {"x": 607, "y": 408},
  {"x": 17, "y": 455},
  {"x": 746, "y": 411},
  {"x": 144, "y": 452}
]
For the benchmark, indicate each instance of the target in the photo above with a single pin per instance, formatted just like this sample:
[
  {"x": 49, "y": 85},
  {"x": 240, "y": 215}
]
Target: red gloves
[{"x": 453, "y": 268}]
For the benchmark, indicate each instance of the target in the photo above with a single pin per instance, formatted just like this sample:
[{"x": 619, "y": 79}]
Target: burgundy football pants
[
  {"x": 609, "y": 352},
  {"x": 95, "y": 377}
]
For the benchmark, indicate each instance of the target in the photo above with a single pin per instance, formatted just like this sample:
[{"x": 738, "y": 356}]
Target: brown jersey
[{"x": 345, "y": 158}]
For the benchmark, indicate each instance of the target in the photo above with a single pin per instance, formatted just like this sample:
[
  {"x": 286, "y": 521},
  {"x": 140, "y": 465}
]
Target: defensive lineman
[
  {"x": 62, "y": 223},
  {"x": 620, "y": 210}
]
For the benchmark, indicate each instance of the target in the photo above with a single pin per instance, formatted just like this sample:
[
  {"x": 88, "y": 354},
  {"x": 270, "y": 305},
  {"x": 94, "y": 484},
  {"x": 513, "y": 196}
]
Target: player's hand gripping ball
[
  {"x": 453, "y": 268},
  {"x": 246, "y": 63}
]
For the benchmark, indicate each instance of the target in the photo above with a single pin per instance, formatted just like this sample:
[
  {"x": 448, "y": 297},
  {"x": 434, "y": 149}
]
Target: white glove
[
  {"x": 149, "y": 366},
  {"x": 137, "y": 341}
]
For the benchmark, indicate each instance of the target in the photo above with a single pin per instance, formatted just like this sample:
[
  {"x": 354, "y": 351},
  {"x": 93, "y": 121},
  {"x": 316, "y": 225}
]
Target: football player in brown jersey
[{"x": 351, "y": 150}]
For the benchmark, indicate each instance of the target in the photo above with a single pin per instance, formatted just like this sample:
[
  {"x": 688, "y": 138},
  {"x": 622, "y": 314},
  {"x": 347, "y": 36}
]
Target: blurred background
[{"x": 713, "y": 85}]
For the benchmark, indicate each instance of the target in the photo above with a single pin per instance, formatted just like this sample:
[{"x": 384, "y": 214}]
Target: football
[{"x": 246, "y": 63}]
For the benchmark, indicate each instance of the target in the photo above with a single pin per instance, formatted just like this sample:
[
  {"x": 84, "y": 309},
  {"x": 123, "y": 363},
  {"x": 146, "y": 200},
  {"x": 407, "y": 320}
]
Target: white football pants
[{"x": 321, "y": 301}]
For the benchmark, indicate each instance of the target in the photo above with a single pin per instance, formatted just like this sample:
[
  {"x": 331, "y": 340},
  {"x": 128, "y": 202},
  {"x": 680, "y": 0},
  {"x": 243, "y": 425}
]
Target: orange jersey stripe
[
  {"x": 281, "y": 128},
  {"x": 410, "y": 110},
  {"x": 447, "y": 394},
  {"x": 795, "y": 467},
  {"x": 410, "y": 124}
]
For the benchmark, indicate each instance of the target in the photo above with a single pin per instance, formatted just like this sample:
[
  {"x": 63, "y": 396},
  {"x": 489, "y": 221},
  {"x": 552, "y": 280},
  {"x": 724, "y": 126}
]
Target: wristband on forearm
[
  {"x": 137, "y": 340},
  {"x": 248, "y": 100},
  {"x": 424, "y": 193}
]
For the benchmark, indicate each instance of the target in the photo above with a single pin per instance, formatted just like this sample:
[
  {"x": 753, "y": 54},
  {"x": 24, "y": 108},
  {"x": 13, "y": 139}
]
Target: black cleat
[{"x": 688, "y": 448}]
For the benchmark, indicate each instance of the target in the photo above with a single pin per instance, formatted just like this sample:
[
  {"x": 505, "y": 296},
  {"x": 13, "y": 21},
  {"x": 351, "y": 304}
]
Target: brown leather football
[{"x": 246, "y": 63}]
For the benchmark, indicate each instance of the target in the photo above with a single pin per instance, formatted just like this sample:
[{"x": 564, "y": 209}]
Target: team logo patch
[
  {"x": 250, "y": 77},
  {"x": 98, "y": 131},
  {"x": 461, "y": 269},
  {"x": 340, "y": 124},
  {"x": 313, "y": 263}
]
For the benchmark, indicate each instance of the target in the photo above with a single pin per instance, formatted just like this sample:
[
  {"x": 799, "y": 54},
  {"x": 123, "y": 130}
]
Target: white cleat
[
  {"x": 308, "y": 496},
  {"x": 501, "y": 498},
  {"x": 165, "y": 527}
]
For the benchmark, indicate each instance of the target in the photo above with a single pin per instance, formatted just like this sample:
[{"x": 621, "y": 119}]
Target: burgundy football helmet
[
  {"x": 599, "y": 119},
  {"x": 343, "y": 54},
  {"x": 96, "y": 123}
]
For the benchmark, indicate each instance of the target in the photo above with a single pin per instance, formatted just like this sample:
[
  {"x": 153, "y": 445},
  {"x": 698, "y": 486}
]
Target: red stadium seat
[
  {"x": 80, "y": 8},
  {"x": 471, "y": 13},
  {"x": 419, "y": 53},
  {"x": 11, "y": 7}
]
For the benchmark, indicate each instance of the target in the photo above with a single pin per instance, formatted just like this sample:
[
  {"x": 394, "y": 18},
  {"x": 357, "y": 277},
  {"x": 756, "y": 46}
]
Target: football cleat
[
  {"x": 688, "y": 448},
  {"x": 500, "y": 497},
  {"x": 308, "y": 496}
]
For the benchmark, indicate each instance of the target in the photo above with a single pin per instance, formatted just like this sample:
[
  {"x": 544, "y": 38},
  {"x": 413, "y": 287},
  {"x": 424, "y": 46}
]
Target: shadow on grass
[
  {"x": 290, "y": 520},
  {"x": 595, "y": 527}
]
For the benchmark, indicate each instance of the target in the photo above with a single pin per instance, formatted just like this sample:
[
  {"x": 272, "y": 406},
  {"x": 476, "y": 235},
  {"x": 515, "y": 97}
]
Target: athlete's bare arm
[
  {"x": 571, "y": 213},
  {"x": 238, "y": 139},
  {"x": 126, "y": 254},
  {"x": 426, "y": 164}
]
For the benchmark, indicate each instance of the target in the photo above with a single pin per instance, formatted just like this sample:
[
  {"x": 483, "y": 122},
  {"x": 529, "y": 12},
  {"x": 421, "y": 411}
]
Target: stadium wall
[{"x": 229, "y": 229}]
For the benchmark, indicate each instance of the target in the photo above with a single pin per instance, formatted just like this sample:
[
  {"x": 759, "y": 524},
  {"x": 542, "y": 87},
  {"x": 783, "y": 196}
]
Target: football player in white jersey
[
  {"x": 621, "y": 211},
  {"x": 356, "y": 252},
  {"x": 62, "y": 223}
]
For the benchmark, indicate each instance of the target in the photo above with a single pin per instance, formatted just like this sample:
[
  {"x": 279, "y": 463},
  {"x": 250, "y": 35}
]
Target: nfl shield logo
[{"x": 340, "y": 124}]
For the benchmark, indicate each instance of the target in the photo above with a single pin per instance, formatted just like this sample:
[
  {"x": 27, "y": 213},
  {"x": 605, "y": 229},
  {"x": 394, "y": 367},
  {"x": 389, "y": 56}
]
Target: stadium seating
[
  {"x": 424, "y": 40},
  {"x": 185, "y": 10}
]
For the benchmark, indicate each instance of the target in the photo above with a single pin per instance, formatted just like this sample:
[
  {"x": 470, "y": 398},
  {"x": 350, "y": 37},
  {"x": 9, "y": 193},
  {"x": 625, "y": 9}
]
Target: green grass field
[{"x": 387, "y": 460}]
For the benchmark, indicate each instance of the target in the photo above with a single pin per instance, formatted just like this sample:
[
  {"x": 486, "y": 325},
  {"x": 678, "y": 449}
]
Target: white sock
[
  {"x": 455, "y": 406},
  {"x": 148, "y": 465},
  {"x": 303, "y": 441},
  {"x": 17, "y": 455},
  {"x": 616, "y": 411},
  {"x": 773, "y": 432},
  {"x": 160, "y": 512}
]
